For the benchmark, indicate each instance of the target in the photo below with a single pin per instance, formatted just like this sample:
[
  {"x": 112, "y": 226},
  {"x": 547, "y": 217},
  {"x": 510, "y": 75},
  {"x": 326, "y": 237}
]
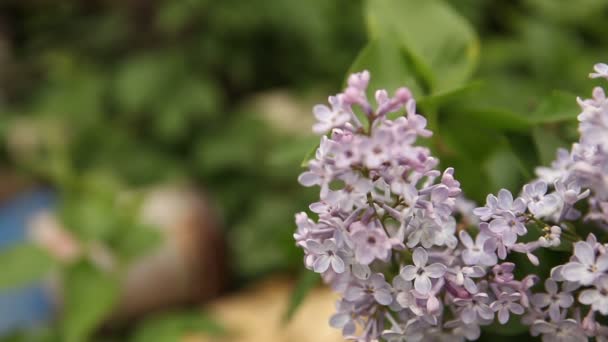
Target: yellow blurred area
[{"x": 255, "y": 315}]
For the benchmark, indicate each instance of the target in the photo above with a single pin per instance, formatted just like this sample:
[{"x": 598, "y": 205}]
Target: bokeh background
[{"x": 149, "y": 150}]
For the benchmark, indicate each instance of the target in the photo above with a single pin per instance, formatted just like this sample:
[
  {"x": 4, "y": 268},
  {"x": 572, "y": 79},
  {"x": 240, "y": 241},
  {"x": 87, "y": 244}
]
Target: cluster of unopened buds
[{"x": 414, "y": 260}]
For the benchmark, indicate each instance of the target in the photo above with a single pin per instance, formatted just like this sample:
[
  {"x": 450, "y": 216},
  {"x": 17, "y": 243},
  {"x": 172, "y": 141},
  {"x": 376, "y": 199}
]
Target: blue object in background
[{"x": 31, "y": 305}]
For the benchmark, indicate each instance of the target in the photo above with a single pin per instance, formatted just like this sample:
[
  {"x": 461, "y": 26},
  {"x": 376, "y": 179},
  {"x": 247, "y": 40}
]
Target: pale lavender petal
[
  {"x": 466, "y": 240},
  {"x": 409, "y": 272},
  {"x": 339, "y": 320},
  {"x": 540, "y": 300},
  {"x": 321, "y": 264},
  {"x": 565, "y": 300},
  {"x": 420, "y": 257},
  {"x": 470, "y": 285},
  {"x": 383, "y": 296},
  {"x": 353, "y": 293},
  {"x": 554, "y": 312},
  {"x": 516, "y": 308},
  {"x": 322, "y": 112},
  {"x": 337, "y": 264},
  {"x": 584, "y": 253},
  {"x": 602, "y": 263},
  {"x": 468, "y": 315},
  {"x": 503, "y": 315},
  {"x": 422, "y": 284},
  {"x": 309, "y": 178},
  {"x": 551, "y": 286},
  {"x": 587, "y": 297},
  {"x": 485, "y": 312},
  {"x": 505, "y": 199},
  {"x": 435, "y": 270},
  {"x": 315, "y": 247},
  {"x": 577, "y": 272}
]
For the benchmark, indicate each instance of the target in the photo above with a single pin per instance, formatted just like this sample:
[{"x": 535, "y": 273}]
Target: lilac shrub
[{"x": 415, "y": 261}]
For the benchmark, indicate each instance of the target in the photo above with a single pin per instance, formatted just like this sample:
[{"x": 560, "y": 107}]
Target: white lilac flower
[
  {"x": 540, "y": 204},
  {"x": 428, "y": 233},
  {"x": 498, "y": 205},
  {"x": 464, "y": 277},
  {"x": 570, "y": 192},
  {"x": 597, "y": 297},
  {"x": 317, "y": 175},
  {"x": 587, "y": 268},
  {"x": 420, "y": 273},
  {"x": 553, "y": 300},
  {"x": 567, "y": 330},
  {"x": 343, "y": 318},
  {"x": 480, "y": 252},
  {"x": 507, "y": 303},
  {"x": 375, "y": 287},
  {"x": 388, "y": 198},
  {"x": 376, "y": 149},
  {"x": 354, "y": 193},
  {"x": 326, "y": 255},
  {"x": 475, "y": 308},
  {"x": 404, "y": 298},
  {"x": 552, "y": 237},
  {"x": 508, "y": 222},
  {"x": 305, "y": 227},
  {"x": 502, "y": 242},
  {"x": 370, "y": 243},
  {"x": 329, "y": 118},
  {"x": 601, "y": 70}
]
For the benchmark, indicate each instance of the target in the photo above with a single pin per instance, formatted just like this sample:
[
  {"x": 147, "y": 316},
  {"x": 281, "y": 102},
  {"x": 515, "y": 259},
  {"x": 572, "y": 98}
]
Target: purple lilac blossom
[{"x": 413, "y": 260}]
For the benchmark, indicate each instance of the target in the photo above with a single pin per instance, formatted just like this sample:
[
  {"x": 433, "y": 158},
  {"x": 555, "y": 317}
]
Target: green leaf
[
  {"x": 173, "y": 326},
  {"x": 389, "y": 65},
  {"x": 90, "y": 295},
  {"x": 445, "y": 97},
  {"x": 136, "y": 240},
  {"x": 309, "y": 155},
  {"x": 142, "y": 80},
  {"x": 503, "y": 169},
  {"x": 547, "y": 143},
  {"x": 559, "y": 106},
  {"x": 23, "y": 264},
  {"x": 498, "y": 119},
  {"x": 307, "y": 281},
  {"x": 443, "y": 46}
]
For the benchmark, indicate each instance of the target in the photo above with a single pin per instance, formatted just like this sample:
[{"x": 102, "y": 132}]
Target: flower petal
[
  {"x": 337, "y": 264},
  {"x": 420, "y": 257},
  {"x": 584, "y": 253},
  {"x": 422, "y": 284},
  {"x": 408, "y": 272},
  {"x": 435, "y": 270}
]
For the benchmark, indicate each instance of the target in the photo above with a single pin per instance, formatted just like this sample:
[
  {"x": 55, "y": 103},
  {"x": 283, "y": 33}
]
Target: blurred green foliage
[{"x": 100, "y": 97}]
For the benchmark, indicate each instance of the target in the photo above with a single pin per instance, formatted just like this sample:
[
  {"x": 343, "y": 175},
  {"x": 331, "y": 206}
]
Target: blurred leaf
[
  {"x": 443, "y": 46},
  {"x": 23, "y": 264},
  {"x": 91, "y": 216},
  {"x": 89, "y": 296},
  {"x": 174, "y": 15},
  {"x": 141, "y": 80},
  {"x": 389, "y": 65},
  {"x": 306, "y": 282},
  {"x": 503, "y": 169},
  {"x": 309, "y": 155},
  {"x": 176, "y": 326},
  {"x": 136, "y": 240},
  {"x": 559, "y": 106},
  {"x": 498, "y": 119},
  {"x": 547, "y": 144},
  {"x": 438, "y": 99}
]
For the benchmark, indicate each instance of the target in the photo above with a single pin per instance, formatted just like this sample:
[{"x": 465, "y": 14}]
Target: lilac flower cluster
[{"x": 387, "y": 238}]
